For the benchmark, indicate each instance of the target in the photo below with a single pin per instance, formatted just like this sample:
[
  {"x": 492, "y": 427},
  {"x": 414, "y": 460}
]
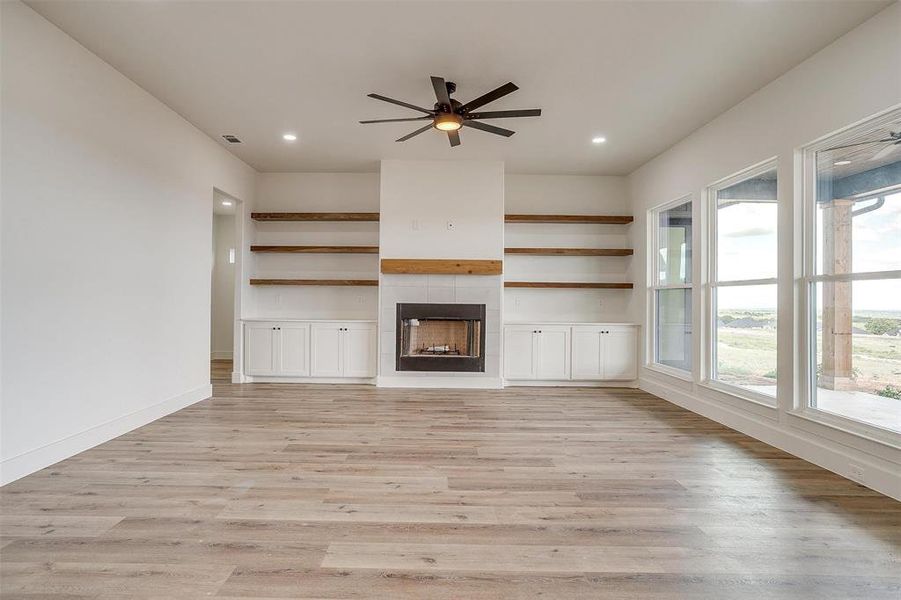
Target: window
[
  {"x": 670, "y": 285},
  {"x": 853, "y": 274},
  {"x": 742, "y": 288}
]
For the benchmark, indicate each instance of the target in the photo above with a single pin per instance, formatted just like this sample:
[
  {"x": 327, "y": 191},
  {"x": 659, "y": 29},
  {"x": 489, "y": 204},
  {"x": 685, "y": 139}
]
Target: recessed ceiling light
[
  {"x": 226, "y": 203},
  {"x": 289, "y": 137},
  {"x": 839, "y": 163},
  {"x": 598, "y": 140}
]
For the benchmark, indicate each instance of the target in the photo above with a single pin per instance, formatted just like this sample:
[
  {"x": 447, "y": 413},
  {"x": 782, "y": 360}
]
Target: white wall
[
  {"x": 106, "y": 235},
  {"x": 223, "y": 288},
  {"x": 420, "y": 198},
  {"x": 567, "y": 194},
  {"x": 851, "y": 79},
  {"x": 315, "y": 192}
]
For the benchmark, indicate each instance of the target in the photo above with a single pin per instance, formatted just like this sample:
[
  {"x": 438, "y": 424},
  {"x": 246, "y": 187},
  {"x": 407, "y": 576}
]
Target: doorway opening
[{"x": 225, "y": 260}]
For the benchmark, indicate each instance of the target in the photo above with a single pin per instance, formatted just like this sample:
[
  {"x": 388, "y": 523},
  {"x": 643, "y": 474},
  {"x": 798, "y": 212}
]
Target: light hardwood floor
[
  {"x": 288, "y": 491},
  {"x": 221, "y": 370}
]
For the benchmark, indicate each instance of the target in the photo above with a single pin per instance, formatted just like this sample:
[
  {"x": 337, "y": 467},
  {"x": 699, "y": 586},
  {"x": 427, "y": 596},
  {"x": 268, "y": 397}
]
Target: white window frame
[
  {"x": 653, "y": 218},
  {"x": 801, "y": 407},
  {"x": 711, "y": 284}
]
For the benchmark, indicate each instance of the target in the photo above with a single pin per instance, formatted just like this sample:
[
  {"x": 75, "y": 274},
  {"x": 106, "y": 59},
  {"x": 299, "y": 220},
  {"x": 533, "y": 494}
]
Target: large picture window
[
  {"x": 742, "y": 283},
  {"x": 670, "y": 285},
  {"x": 853, "y": 274}
]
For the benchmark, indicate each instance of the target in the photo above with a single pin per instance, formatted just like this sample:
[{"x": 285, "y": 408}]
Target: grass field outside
[{"x": 746, "y": 350}]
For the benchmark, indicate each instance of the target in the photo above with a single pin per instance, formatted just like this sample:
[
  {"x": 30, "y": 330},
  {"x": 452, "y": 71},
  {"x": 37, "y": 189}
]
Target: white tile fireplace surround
[{"x": 453, "y": 289}]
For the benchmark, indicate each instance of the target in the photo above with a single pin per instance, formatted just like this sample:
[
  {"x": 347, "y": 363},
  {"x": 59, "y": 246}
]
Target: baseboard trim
[
  {"x": 19, "y": 466},
  {"x": 568, "y": 383},
  {"x": 883, "y": 478},
  {"x": 345, "y": 380},
  {"x": 225, "y": 355},
  {"x": 485, "y": 383}
]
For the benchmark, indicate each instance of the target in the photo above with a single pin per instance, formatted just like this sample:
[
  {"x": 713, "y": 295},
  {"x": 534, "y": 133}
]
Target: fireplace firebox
[{"x": 441, "y": 337}]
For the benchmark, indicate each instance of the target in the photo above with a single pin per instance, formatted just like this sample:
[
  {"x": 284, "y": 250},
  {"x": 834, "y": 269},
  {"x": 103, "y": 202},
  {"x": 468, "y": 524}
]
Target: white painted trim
[
  {"x": 221, "y": 355},
  {"x": 565, "y": 383},
  {"x": 881, "y": 475},
  {"x": 670, "y": 371},
  {"x": 16, "y": 467},
  {"x": 850, "y": 426},
  {"x": 740, "y": 393},
  {"x": 488, "y": 383},
  {"x": 276, "y": 379}
]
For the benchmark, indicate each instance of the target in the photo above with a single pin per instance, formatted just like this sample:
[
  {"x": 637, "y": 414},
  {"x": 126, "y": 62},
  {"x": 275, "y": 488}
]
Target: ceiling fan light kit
[
  {"x": 449, "y": 115},
  {"x": 448, "y": 121}
]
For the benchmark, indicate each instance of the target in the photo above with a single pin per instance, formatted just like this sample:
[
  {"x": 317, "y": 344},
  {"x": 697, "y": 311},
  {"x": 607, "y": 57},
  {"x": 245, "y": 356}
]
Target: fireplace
[{"x": 441, "y": 337}]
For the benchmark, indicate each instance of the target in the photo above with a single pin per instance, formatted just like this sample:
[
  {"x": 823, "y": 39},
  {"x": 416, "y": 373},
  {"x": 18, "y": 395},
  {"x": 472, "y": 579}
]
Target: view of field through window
[
  {"x": 857, "y": 295},
  {"x": 744, "y": 292}
]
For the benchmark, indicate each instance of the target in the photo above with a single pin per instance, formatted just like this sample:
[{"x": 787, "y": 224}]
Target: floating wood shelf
[
  {"x": 571, "y": 251},
  {"x": 423, "y": 266},
  {"x": 597, "y": 219},
  {"x": 317, "y": 249},
  {"x": 568, "y": 285},
  {"x": 320, "y": 282},
  {"x": 316, "y": 216}
]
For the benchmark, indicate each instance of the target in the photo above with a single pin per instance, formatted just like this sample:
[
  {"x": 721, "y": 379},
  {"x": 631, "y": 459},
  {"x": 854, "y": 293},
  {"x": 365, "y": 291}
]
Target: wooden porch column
[{"x": 837, "y": 371}]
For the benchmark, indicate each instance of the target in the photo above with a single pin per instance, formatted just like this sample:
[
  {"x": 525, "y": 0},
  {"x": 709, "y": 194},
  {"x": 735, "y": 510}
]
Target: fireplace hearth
[{"x": 440, "y": 337}]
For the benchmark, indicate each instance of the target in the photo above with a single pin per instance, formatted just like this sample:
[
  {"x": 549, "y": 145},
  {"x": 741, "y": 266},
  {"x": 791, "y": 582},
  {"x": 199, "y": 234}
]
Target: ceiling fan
[
  {"x": 450, "y": 115},
  {"x": 893, "y": 139}
]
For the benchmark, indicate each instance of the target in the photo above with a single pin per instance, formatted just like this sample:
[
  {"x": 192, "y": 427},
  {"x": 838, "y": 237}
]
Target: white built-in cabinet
[
  {"x": 277, "y": 349},
  {"x": 310, "y": 349},
  {"x": 536, "y": 352},
  {"x": 343, "y": 349},
  {"x": 556, "y": 352}
]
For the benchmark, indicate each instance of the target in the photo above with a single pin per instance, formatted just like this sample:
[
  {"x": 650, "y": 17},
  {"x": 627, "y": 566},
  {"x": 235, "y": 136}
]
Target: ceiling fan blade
[
  {"x": 488, "y": 128},
  {"x": 441, "y": 91},
  {"x": 505, "y": 114},
  {"x": 400, "y": 103},
  {"x": 396, "y": 120},
  {"x": 861, "y": 144},
  {"x": 491, "y": 96},
  {"x": 454, "y": 138},
  {"x": 415, "y": 133},
  {"x": 885, "y": 151}
]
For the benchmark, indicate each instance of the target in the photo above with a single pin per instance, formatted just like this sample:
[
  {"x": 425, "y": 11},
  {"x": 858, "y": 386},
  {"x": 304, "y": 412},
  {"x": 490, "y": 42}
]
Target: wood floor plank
[
  {"x": 129, "y": 580},
  {"x": 38, "y": 524},
  {"x": 528, "y": 558},
  {"x": 355, "y": 492}
]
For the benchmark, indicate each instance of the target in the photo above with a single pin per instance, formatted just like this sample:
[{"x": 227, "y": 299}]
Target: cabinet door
[
  {"x": 519, "y": 352},
  {"x": 359, "y": 349},
  {"x": 553, "y": 352},
  {"x": 620, "y": 353},
  {"x": 260, "y": 351},
  {"x": 325, "y": 350},
  {"x": 586, "y": 353},
  {"x": 294, "y": 349}
]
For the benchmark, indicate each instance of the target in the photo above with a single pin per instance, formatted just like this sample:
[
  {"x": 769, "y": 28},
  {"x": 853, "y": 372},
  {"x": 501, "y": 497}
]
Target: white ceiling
[{"x": 643, "y": 74}]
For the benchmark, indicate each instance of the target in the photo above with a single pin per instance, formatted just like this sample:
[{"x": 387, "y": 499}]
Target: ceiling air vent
[{"x": 231, "y": 139}]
